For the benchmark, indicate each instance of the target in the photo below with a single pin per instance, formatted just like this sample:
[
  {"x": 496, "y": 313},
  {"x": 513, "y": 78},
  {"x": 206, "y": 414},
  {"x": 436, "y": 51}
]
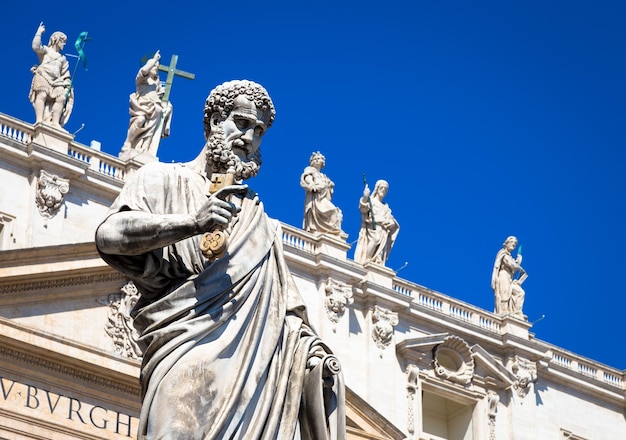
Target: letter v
[
  {"x": 5, "y": 393},
  {"x": 52, "y": 408}
]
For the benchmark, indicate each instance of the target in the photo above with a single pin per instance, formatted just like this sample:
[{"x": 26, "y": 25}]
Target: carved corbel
[
  {"x": 119, "y": 325},
  {"x": 383, "y": 321},
  {"x": 338, "y": 296},
  {"x": 50, "y": 193},
  {"x": 525, "y": 373}
]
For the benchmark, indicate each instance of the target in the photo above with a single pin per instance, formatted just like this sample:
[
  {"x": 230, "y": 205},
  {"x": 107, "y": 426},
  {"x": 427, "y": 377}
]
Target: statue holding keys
[
  {"x": 508, "y": 292},
  {"x": 228, "y": 351}
]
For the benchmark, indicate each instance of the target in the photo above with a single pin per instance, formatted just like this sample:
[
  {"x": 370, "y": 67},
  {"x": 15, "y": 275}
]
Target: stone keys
[{"x": 214, "y": 244}]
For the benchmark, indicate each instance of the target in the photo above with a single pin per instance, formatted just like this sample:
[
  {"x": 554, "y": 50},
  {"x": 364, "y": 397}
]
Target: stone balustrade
[
  {"x": 448, "y": 306},
  {"x": 298, "y": 239},
  {"x": 99, "y": 162},
  {"x": 310, "y": 243},
  {"x": 588, "y": 368},
  {"x": 15, "y": 129}
]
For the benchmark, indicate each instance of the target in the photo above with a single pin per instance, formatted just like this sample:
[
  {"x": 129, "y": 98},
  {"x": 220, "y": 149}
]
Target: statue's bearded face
[{"x": 233, "y": 144}]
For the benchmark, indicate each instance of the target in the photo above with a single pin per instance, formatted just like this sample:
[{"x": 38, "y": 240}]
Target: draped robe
[
  {"x": 227, "y": 346},
  {"x": 374, "y": 245},
  {"x": 150, "y": 118},
  {"x": 509, "y": 297},
  {"x": 320, "y": 215}
]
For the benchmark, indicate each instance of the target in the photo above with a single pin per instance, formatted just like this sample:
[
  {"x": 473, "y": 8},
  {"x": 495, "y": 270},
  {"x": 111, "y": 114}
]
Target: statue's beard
[{"x": 222, "y": 159}]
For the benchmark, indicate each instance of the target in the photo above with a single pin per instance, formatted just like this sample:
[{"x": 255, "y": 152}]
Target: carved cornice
[
  {"x": 48, "y": 284},
  {"x": 57, "y": 368}
]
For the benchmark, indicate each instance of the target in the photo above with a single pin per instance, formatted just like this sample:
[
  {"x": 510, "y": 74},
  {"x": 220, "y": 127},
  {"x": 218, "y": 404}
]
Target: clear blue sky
[{"x": 488, "y": 119}]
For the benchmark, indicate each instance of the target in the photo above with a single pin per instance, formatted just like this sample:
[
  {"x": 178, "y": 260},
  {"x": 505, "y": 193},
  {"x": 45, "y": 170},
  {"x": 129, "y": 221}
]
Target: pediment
[
  {"x": 459, "y": 361},
  {"x": 364, "y": 422}
]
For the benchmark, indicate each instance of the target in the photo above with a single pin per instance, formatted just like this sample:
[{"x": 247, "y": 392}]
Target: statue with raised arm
[
  {"x": 508, "y": 292},
  {"x": 50, "y": 91},
  {"x": 227, "y": 348},
  {"x": 150, "y": 117},
  {"x": 320, "y": 215},
  {"x": 379, "y": 228}
]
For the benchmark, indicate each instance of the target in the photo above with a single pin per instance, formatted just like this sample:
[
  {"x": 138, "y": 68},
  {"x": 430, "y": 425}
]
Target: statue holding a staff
[{"x": 379, "y": 228}]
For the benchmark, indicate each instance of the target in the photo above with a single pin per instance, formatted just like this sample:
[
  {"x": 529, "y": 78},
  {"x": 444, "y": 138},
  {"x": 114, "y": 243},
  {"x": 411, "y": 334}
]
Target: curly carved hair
[
  {"x": 316, "y": 155},
  {"x": 222, "y": 98},
  {"x": 56, "y": 37}
]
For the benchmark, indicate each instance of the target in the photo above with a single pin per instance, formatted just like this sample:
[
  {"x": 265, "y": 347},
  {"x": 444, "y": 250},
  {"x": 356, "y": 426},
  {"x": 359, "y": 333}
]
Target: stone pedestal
[
  {"x": 379, "y": 274},
  {"x": 333, "y": 245},
  {"x": 515, "y": 326},
  {"x": 55, "y": 138}
]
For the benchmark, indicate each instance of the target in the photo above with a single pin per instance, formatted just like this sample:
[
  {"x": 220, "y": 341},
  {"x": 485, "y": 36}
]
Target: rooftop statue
[
  {"x": 227, "y": 348},
  {"x": 50, "y": 89},
  {"x": 150, "y": 117},
  {"x": 320, "y": 215},
  {"x": 379, "y": 228},
  {"x": 508, "y": 292}
]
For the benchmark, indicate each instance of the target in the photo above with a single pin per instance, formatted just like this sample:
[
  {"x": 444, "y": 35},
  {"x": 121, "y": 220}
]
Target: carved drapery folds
[
  {"x": 338, "y": 296},
  {"x": 120, "y": 324},
  {"x": 383, "y": 321},
  {"x": 50, "y": 193},
  {"x": 454, "y": 361}
]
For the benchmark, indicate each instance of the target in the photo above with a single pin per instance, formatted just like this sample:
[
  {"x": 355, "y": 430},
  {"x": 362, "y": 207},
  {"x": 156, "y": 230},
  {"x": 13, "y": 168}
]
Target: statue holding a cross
[{"x": 150, "y": 109}]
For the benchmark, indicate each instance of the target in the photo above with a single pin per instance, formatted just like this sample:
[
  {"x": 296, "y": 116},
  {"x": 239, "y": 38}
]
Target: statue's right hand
[
  {"x": 41, "y": 29},
  {"x": 217, "y": 211}
]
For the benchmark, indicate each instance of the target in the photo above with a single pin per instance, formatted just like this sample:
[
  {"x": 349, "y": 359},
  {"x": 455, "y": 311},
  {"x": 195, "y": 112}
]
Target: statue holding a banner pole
[{"x": 50, "y": 90}]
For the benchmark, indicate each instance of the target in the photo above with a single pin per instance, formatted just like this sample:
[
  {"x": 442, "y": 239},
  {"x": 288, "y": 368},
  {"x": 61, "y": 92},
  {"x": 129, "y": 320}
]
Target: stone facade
[{"x": 418, "y": 364}]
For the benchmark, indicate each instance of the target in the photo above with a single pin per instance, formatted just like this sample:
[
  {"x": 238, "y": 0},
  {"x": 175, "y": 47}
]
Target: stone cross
[{"x": 171, "y": 72}]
